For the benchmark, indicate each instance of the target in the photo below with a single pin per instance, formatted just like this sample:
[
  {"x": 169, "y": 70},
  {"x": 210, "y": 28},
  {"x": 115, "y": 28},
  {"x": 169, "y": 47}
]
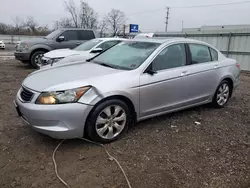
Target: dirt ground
[{"x": 170, "y": 151}]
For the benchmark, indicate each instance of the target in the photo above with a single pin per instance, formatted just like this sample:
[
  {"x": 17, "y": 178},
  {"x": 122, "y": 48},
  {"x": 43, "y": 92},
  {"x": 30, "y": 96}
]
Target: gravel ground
[{"x": 170, "y": 151}]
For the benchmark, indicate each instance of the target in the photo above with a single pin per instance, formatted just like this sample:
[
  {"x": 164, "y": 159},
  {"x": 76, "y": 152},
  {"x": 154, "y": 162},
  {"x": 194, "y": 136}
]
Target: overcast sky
[{"x": 48, "y": 11}]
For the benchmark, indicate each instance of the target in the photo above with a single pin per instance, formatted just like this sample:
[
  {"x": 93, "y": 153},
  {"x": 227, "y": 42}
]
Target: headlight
[
  {"x": 62, "y": 97},
  {"x": 23, "y": 46}
]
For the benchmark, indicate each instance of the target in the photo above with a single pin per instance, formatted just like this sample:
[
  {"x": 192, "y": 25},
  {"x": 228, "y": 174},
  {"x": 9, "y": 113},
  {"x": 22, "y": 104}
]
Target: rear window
[{"x": 85, "y": 35}]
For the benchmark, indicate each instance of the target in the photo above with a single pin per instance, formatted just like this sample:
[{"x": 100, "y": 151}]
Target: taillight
[{"x": 237, "y": 65}]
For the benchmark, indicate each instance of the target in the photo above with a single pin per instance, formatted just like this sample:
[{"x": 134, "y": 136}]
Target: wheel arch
[{"x": 119, "y": 97}]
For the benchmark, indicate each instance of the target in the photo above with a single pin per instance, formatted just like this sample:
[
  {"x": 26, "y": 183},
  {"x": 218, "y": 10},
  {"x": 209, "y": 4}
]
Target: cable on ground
[{"x": 101, "y": 145}]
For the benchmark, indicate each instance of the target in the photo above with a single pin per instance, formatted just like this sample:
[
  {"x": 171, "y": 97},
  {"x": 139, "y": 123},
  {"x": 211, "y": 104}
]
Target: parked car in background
[
  {"x": 144, "y": 35},
  {"x": 2, "y": 45},
  {"x": 133, "y": 81},
  {"x": 32, "y": 50},
  {"x": 86, "y": 50}
]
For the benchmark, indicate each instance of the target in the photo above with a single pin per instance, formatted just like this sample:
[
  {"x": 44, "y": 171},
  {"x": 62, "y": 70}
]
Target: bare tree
[
  {"x": 73, "y": 10},
  {"x": 64, "y": 23},
  {"x": 31, "y": 24},
  {"x": 18, "y": 23},
  {"x": 3, "y": 28},
  {"x": 102, "y": 27},
  {"x": 115, "y": 19},
  {"x": 88, "y": 16}
]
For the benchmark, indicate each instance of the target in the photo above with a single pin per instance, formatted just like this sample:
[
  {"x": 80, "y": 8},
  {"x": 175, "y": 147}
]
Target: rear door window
[
  {"x": 70, "y": 35},
  {"x": 199, "y": 53},
  {"x": 85, "y": 34}
]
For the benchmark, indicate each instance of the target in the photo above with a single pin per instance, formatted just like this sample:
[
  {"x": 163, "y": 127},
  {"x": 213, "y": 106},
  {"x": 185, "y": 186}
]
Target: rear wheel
[
  {"x": 222, "y": 94},
  {"x": 35, "y": 60},
  {"x": 108, "y": 121}
]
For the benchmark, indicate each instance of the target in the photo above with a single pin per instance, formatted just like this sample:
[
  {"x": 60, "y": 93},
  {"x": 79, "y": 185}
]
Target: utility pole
[{"x": 167, "y": 18}]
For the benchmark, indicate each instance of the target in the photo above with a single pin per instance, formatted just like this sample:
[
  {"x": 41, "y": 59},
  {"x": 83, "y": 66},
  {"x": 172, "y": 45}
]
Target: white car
[
  {"x": 2, "y": 45},
  {"x": 86, "y": 50}
]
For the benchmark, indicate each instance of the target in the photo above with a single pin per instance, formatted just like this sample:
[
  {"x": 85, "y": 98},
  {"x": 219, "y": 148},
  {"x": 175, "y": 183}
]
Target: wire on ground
[{"x": 101, "y": 145}]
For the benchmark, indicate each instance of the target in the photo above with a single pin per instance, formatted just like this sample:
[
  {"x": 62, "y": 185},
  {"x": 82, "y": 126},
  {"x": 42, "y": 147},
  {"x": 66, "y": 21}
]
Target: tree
[
  {"x": 64, "y": 23},
  {"x": 115, "y": 19},
  {"x": 102, "y": 27},
  {"x": 73, "y": 11},
  {"x": 88, "y": 17},
  {"x": 31, "y": 24},
  {"x": 3, "y": 28},
  {"x": 18, "y": 23}
]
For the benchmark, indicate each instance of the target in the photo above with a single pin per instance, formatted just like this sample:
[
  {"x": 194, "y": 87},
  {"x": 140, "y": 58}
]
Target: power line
[
  {"x": 213, "y": 5},
  {"x": 194, "y": 6}
]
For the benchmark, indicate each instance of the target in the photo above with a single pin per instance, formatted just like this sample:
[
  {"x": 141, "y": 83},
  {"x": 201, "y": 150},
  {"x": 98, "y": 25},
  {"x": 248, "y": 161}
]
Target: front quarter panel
[{"x": 117, "y": 86}]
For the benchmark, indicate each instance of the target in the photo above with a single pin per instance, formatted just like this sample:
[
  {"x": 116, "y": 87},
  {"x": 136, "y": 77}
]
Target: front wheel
[
  {"x": 222, "y": 94},
  {"x": 35, "y": 60},
  {"x": 108, "y": 121}
]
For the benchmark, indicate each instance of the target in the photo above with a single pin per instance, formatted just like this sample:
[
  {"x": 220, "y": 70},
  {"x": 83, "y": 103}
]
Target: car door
[
  {"x": 164, "y": 87},
  {"x": 70, "y": 40},
  {"x": 203, "y": 74}
]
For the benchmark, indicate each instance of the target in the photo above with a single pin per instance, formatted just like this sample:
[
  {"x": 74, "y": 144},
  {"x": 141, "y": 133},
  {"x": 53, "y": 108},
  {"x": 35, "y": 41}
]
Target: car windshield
[
  {"x": 127, "y": 55},
  {"x": 53, "y": 34},
  {"x": 88, "y": 45}
]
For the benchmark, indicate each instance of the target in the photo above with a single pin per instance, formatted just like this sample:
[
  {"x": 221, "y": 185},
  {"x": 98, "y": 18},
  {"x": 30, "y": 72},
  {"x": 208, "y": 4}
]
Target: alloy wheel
[
  {"x": 223, "y": 94},
  {"x": 111, "y": 122}
]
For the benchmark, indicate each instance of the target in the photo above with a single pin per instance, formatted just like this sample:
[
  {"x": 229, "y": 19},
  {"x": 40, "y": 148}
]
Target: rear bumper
[{"x": 22, "y": 56}]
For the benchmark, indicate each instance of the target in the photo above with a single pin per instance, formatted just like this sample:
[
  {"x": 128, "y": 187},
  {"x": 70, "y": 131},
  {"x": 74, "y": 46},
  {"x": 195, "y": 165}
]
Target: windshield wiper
[{"x": 107, "y": 65}]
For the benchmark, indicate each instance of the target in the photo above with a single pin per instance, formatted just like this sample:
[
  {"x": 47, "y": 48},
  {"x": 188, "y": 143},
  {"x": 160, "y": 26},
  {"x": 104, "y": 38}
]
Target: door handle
[
  {"x": 216, "y": 66},
  {"x": 78, "y": 43},
  {"x": 184, "y": 73}
]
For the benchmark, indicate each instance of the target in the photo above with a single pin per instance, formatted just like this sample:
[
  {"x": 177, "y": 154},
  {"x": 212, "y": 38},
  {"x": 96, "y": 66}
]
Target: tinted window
[
  {"x": 127, "y": 55},
  {"x": 86, "y": 35},
  {"x": 108, "y": 44},
  {"x": 171, "y": 57},
  {"x": 70, "y": 35},
  {"x": 199, "y": 53},
  {"x": 214, "y": 55}
]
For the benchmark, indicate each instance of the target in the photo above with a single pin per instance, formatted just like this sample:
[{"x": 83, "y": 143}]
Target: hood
[
  {"x": 66, "y": 77},
  {"x": 61, "y": 53},
  {"x": 36, "y": 41}
]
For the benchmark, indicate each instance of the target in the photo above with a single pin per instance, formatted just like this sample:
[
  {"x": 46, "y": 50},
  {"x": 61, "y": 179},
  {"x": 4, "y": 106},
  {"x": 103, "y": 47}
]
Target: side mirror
[
  {"x": 96, "y": 50},
  {"x": 60, "y": 39},
  {"x": 150, "y": 71}
]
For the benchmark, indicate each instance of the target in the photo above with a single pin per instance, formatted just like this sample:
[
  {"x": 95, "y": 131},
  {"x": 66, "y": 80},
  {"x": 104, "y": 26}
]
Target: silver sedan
[{"x": 133, "y": 81}]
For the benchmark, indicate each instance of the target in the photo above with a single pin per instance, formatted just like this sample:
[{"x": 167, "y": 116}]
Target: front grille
[{"x": 26, "y": 95}]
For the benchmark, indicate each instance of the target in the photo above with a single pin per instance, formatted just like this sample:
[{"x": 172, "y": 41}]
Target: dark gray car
[{"x": 30, "y": 51}]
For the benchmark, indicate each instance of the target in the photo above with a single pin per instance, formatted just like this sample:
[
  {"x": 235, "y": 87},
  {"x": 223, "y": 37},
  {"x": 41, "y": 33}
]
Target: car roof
[
  {"x": 81, "y": 29},
  {"x": 110, "y": 38},
  {"x": 162, "y": 40}
]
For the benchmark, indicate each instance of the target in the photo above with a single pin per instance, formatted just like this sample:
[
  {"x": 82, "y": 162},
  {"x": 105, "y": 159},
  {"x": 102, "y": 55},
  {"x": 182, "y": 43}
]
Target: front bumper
[
  {"x": 65, "y": 121},
  {"x": 22, "y": 56}
]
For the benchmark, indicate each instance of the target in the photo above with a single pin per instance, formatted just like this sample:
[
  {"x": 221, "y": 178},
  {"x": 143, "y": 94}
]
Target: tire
[
  {"x": 107, "y": 125},
  {"x": 222, "y": 94},
  {"x": 34, "y": 60}
]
